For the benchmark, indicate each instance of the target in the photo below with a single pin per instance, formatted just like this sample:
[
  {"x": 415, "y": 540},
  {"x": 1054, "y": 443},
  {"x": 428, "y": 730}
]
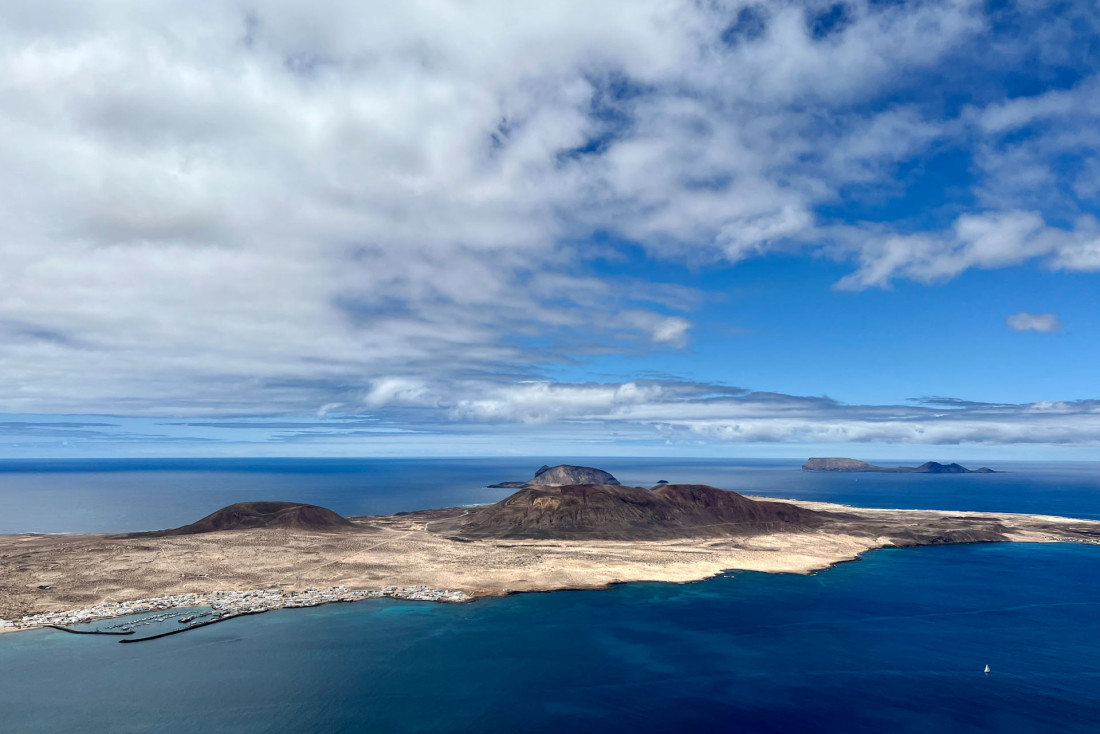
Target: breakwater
[
  {"x": 89, "y": 632},
  {"x": 188, "y": 628}
]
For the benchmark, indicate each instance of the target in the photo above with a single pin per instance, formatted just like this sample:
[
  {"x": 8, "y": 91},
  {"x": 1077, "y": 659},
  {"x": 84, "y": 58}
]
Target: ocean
[
  {"x": 895, "y": 642},
  {"x": 68, "y": 496}
]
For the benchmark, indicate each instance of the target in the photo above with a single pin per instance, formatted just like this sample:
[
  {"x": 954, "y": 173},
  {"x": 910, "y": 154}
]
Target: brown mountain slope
[
  {"x": 616, "y": 512},
  {"x": 251, "y": 515}
]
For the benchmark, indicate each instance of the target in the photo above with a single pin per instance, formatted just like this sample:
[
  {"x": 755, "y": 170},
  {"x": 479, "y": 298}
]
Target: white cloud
[
  {"x": 545, "y": 402},
  {"x": 645, "y": 410},
  {"x": 402, "y": 392},
  {"x": 989, "y": 240},
  {"x": 1044, "y": 323},
  {"x": 211, "y": 209},
  {"x": 1082, "y": 252}
]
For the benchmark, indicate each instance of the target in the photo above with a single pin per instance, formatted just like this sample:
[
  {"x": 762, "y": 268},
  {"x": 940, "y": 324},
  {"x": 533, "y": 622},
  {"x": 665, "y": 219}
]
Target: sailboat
[{"x": 987, "y": 669}]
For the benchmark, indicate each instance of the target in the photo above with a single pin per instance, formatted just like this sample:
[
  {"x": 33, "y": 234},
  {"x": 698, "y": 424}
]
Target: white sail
[{"x": 987, "y": 668}]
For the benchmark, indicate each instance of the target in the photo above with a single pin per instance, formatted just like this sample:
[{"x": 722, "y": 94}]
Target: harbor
[{"x": 220, "y": 605}]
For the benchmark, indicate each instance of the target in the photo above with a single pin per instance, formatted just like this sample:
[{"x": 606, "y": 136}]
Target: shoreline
[
  {"x": 227, "y": 605},
  {"x": 403, "y": 556},
  {"x": 278, "y": 599}
]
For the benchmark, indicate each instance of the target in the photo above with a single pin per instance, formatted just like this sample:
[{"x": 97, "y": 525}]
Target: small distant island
[
  {"x": 838, "y": 464},
  {"x": 560, "y": 530},
  {"x": 560, "y": 476}
]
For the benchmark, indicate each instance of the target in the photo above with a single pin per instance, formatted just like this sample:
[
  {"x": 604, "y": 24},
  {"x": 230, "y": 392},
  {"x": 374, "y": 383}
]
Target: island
[
  {"x": 256, "y": 556},
  {"x": 839, "y": 464},
  {"x": 563, "y": 474}
]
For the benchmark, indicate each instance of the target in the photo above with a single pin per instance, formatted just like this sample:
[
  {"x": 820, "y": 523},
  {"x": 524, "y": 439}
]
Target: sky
[{"x": 649, "y": 227}]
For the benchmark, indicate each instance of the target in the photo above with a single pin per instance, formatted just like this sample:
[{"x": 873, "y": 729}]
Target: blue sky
[
  {"x": 728, "y": 229},
  {"x": 767, "y": 318}
]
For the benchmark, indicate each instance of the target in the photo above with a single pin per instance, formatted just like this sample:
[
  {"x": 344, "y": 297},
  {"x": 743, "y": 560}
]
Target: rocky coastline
[{"x": 228, "y": 604}]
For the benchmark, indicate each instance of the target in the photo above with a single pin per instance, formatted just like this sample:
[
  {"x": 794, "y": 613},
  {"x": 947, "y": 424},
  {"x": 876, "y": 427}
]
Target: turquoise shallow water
[{"x": 895, "y": 642}]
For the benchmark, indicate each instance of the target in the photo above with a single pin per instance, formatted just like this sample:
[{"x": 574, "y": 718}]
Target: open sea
[{"x": 893, "y": 643}]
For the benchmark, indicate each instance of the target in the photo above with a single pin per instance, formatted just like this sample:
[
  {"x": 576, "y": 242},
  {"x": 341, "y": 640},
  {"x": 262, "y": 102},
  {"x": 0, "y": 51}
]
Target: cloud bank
[
  {"x": 684, "y": 411},
  {"x": 651, "y": 417}
]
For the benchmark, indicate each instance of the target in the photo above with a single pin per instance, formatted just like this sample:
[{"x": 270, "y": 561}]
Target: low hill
[
  {"x": 615, "y": 512},
  {"x": 562, "y": 475},
  {"x": 839, "y": 464},
  {"x": 252, "y": 515}
]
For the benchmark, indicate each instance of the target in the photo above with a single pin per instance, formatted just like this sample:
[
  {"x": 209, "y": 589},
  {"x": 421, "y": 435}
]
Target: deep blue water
[
  {"x": 121, "y": 495},
  {"x": 895, "y": 642}
]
